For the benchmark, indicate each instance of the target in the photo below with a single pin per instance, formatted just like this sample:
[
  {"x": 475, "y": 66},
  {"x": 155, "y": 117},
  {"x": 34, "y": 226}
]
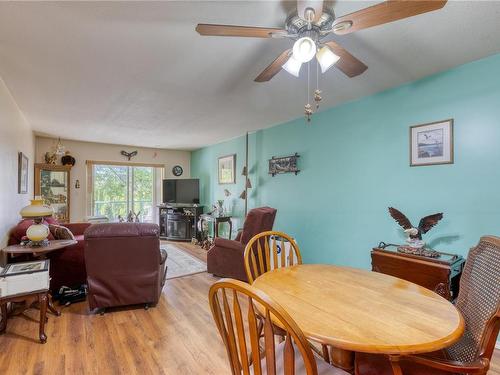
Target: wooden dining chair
[
  {"x": 266, "y": 251},
  {"x": 234, "y": 306},
  {"x": 479, "y": 303}
]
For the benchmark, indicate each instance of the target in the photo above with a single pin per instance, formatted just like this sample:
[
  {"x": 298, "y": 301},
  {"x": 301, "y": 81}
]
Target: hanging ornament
[
  {"x": 317, "y": 97},
  {"x": 308, "y": 112}
]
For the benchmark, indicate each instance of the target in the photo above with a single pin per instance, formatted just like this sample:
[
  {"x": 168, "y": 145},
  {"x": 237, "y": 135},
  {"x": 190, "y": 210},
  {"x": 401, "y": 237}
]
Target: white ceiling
[{"x": 137, "y": 73}]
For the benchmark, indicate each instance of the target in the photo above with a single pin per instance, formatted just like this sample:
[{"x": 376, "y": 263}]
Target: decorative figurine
[
  {"x": 317, "y": 97},
  {"x": 67, "y": 159},
  {"x": 50, "y": 158},
  {"x": 415, "y": 234},
  {"x": 308, "y": 112},
  {"x": 220, "y": 207}
]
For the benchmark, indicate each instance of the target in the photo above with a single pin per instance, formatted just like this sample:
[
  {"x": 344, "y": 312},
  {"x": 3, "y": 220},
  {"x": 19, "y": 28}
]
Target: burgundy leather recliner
[
  {"x": 125, "y": 265},
  {"x": 225, "y": 257}
]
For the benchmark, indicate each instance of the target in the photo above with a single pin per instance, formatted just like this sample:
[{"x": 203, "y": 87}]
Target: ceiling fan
[{"x": 313, "y": 24}]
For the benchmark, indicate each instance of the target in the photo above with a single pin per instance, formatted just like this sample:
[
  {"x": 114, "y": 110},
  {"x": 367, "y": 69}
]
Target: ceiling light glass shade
[
  {"x": 326, "y": 58},
  {"x": 292, "y": 66},
  {"x": 304, "y": 49}
]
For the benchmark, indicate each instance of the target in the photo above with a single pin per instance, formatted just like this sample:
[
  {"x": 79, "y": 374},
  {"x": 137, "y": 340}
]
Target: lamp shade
[
  {"x": 292, "y": 66},
  {"x": 36, "y": 209},
  {"x": 304, "y": 49},
  {"x": 326, "y": 58}
]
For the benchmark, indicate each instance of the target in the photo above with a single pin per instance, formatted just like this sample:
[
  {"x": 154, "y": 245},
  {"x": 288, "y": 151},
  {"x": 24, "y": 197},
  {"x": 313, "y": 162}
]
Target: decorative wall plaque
[{"x": 285, "y": 164}]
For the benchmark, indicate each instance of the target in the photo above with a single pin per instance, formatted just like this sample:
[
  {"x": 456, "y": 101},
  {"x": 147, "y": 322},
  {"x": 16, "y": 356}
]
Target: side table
[
  {"x": 42, "y": 296},
  {"x": 40, "y": 252},
  {"x": 216, "y": 221}
]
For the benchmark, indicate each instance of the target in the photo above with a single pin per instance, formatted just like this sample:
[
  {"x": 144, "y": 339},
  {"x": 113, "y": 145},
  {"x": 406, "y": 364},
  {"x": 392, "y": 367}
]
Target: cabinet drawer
[{"x": 428, "y": 275}]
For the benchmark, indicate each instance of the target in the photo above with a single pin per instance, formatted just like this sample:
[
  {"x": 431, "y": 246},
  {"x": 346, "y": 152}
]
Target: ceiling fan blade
[
  {"x": 274, "y": 67},
  {"x": 317, "y": 5},
  {"x": 229, "y": 30},
  {"x": 347, "y": 64},
  {"x": 388, "y": 11}
]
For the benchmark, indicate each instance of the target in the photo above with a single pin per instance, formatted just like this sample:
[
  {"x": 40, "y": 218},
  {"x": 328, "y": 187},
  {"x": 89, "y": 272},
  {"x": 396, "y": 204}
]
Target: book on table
[{"x": 24, "y": 277}]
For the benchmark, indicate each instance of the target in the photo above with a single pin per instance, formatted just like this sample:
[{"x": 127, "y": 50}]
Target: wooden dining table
[{"x": 353, "y": 310}]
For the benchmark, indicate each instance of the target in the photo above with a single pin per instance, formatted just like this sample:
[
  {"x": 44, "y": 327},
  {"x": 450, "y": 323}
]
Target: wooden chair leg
[{"x": 43, "y": 300}]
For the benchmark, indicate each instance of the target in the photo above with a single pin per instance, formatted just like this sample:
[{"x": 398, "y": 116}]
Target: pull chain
[
  {"x": 307, "y": 108},
  {"x": 317, "y": 92}
]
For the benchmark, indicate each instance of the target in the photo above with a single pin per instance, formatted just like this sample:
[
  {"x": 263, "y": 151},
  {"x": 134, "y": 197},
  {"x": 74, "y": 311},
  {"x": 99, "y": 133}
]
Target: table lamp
[{"x": 37, "y": 232}]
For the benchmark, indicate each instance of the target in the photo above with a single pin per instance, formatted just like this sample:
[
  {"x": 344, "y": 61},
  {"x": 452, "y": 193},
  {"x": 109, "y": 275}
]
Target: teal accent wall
[{"x": 354, "y": 161}]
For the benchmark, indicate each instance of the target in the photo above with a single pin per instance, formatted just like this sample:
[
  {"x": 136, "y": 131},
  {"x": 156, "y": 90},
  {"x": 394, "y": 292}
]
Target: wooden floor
[{"x": 175, "y": 338}]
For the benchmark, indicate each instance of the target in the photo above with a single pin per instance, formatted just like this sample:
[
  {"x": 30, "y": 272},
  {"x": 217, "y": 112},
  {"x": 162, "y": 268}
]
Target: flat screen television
[{"x": 181, "y": 191}]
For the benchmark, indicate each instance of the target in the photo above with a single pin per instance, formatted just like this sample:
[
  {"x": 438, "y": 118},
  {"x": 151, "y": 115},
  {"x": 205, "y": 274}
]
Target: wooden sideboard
[{"x": 441, "y": 275}]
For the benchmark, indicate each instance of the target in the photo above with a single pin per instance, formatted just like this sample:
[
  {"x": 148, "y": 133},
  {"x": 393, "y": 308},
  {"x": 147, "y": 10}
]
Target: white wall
[
  {"x": 83, "y": 151},
  {"x": 15, "y": 136}
]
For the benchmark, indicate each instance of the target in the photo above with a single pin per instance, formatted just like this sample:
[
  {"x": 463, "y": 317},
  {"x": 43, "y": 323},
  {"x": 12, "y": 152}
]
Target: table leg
[
  {"x": 230, "y": 228},
  {"x": 43, "y": 300},
  {"x": 51, "y": 306},
  {"x": 343, "y": 359},
  {"x": 216, "y": 228},
  {"x": 3, "y": 322},
  {"x": 396, "y": 367}
]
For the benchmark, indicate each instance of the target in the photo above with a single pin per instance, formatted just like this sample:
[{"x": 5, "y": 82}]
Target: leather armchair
[
  {"x": 125, "y": 265},
  {"x": 225, "y": 257}
]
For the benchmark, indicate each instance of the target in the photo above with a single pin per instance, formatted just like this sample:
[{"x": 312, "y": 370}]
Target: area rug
[{"x": 180, "y": 263}]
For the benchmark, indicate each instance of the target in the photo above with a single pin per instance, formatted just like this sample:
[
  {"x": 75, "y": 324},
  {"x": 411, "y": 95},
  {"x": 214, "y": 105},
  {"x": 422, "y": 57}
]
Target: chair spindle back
[
  {"x": 266, "y": 251},
  {"x": 236, "y": 308}
]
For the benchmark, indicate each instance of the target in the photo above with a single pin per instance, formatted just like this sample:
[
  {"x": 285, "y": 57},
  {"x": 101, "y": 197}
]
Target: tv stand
[{"x": 179, "y": 222}]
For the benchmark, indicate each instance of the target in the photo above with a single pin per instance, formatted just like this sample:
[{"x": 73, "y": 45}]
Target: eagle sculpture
[{"x": 425, "y": 225}]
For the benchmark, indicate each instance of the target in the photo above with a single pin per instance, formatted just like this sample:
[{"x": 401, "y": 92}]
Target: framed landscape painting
[
  {"x": 22, "y": 173},
  {"x": 226, "y": 168},
  {"x": 432, "y": 143}
]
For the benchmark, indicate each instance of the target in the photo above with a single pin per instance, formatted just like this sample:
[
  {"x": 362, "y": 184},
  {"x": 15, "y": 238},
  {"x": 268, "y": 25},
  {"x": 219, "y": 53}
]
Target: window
[{"x": 119, "y": 189}]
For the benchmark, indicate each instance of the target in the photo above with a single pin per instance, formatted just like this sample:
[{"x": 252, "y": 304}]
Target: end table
[
  {"x": 40, "y": 252},
  {"x": 42, "y": 296}
]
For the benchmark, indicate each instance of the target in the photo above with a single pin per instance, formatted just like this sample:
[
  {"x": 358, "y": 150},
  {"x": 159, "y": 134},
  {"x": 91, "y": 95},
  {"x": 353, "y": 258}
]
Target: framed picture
[
  {"x": 25, "y": 267},
  {"x": 226, "y": 168},
  {"x": 432, "y": 143},
  {"x": 22, "y": 173}
]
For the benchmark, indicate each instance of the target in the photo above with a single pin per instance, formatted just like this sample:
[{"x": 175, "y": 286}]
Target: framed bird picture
[{"x": 431, "y": 143}]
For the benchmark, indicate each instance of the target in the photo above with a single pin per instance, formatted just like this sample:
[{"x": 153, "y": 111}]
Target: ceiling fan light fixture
[
  {"x": 292, "y": 66},
  {"x": 304, "y": 49},
  {"x": 326, "y": 58}
]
